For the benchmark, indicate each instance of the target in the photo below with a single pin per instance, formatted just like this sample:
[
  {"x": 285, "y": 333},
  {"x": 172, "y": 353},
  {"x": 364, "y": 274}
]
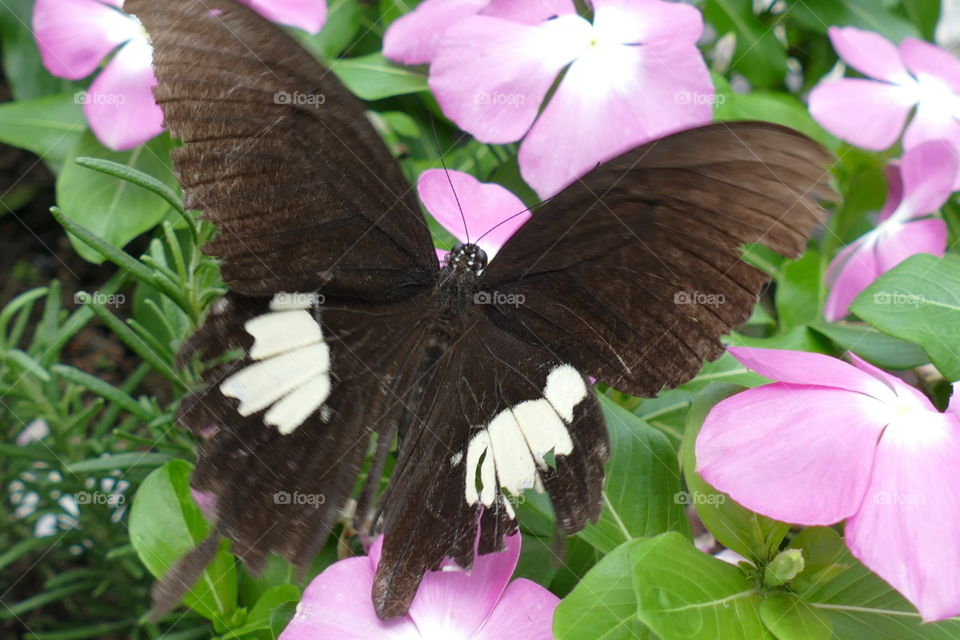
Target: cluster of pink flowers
[
  {"x": 871, "y": 113},
  {"x": 76, "y": 36}
]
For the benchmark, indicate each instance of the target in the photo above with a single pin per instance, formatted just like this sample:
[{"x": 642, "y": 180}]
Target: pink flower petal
[
  {"x": 337, "y": 604},
  {"x": 865, "y": 113},
  {"x": 800, "y": 455},
  {"x": 490, "y": 75},
  {"x": 74, "y": 36},
  {"x": 120, "y": 105},
  {"x": 484, "y": 207},
  {"x": 925, "y": 59},
  {"x": 529, "y": 11},
  {"x": 933, "y": 121},
  {"x": 525, "y": 611},
  {"x": 308, "y": 15},
  {"x": 899, "y": 241},
  {"x": 894, "y": 189},
  {"x": 810, "y": 370},
  {"x": 852, "y": 271},
  {"x": 612, "y": 99},
  {"x": 641, "y": 21},
  {"x": 907, "y": 527},
  {"x": 413, "y": 38},
  {"x": 928, "y": 171},
  {"x": 906, "y": 393},
  {"x": 454, "y": 604},
  {"x": 869, "y": 53}
]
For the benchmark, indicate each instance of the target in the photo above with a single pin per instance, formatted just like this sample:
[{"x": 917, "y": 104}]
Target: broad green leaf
[
  {"x": 373, "y": 77},
  {"x": 771, "y": 106},
  {"x": 22, "y": 66},
  {"x": 685, "y": 594},
  {"x": 860, "y": 604},
  {"x": 873, "y": 346},
  {"x": 390, "y": 10},
  {"x": 749, "y": 534},
  {"x": 919, "y": 300},
  {"x": 790, "y": 618},
  {"x": 725, "y": 369},
  {"x": 260, "y": 616},
  {"x": 603, "y": 606},
  {"x": 50, "y": 126},
  {"x": 798, "y": 338},
  {"x": 800, "y": 291},
  {"x": 641, "y": 492},
  {"x": 343, "y": 23},
  {"x": 759, "y": 55},
  {"x": 819, "y": 15},
  {"x": 118, "y": 461},
  {"x": 165, "y": 523},
  {"x": 114, "y": 209},
  {"x": 538, "y": 561},
  {"x": 925, "y": 14},
  {"x": 822, "y": 549}
]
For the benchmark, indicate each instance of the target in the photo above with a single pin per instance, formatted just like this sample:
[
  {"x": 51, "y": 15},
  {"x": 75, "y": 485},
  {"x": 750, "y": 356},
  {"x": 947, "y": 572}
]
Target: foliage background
[{"x": 78, "y": 554}]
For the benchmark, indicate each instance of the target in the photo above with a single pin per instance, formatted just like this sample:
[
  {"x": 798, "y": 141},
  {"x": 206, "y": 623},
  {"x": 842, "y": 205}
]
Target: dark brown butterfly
[{"x": 354, "y": 339}]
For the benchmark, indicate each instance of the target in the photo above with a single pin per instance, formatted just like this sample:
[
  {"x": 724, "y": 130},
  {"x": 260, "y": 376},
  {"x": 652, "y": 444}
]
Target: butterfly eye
[
  {"x": 457, "y": 248},
  {"x": 480, "y": 259}
]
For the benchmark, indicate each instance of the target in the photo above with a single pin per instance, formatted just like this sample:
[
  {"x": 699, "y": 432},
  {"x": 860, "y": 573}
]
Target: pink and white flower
[
  {"x": 831, "y": 442},
  {"x": 76, "y": 36},
  {"x": 918, "y": 186},
  {"x": 471, "y": 605},
  {"x": 632, "y": 75},
  {"x": 490, "y": 212},
  {"x": 871, "y": 112}
]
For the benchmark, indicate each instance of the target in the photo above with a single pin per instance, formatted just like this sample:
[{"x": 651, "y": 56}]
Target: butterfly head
[{"x": 467, "y": 257}]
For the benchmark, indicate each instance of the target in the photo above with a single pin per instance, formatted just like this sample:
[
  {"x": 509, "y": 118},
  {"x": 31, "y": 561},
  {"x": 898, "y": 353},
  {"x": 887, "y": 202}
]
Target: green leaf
[
  {"x": 822, "y": 548},
  {"x": 790, "y": 618},
  {"x": 685, "y": 594},
  {"x": 103, "y": 389},
  {"x": 873, "y": 346},
  {"x": 749, "y": 534},
  {"x": 339, "y": 30},
  {"x": 642, "y": 488},
  {"x": 861, "y": 605},
  {"x": 925, "y": 14},
  {"x": 49, "y": 127},
  {"x": 603, "y": 606},
  {"x": 770, "y": 106},
  {"x": 819, "y": 15},
  {"x": 22, "y": 66},
  {"x": 114, "y": 209},
  {"x": 919, "y": 300},
  {"x": 165, "y": 524},
  {"x": 260, "y": 616},
  {"x": 118, "y": 461},
  {"x": 373, "y": 77},
  {"x": 800, "y": 291},
  {"x": 759, "y": 56}
]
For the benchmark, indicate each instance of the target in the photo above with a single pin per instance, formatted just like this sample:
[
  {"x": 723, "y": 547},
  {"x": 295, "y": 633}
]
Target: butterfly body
[{"x": 473, "y": 376}]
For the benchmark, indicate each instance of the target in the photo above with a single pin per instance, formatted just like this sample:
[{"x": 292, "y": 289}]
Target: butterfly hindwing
[
  {"x": 282, "y": 158},
  {"x": 634, "y": 272},
  {"x": 498, "y": 417}
]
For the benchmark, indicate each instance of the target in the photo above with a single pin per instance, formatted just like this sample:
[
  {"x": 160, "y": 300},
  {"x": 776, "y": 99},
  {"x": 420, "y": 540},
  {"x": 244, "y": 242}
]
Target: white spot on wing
[
  {"x": 456, "y": 458},
  {"x": 290, "y": 412},
  {"x": 261, "y": 384},
  {"x": 543, "y": 430},
  {"x": 515, "y": 467},
  {"x": 480, "y": 445},
  {"x": 565, "y": 390},
  {"x": 279, "y": 332}
]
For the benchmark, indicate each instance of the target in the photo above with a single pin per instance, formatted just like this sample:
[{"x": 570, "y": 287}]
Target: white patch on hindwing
[
  {"x": 291, "y": 375},
  {"x": 511, "y": 450}
]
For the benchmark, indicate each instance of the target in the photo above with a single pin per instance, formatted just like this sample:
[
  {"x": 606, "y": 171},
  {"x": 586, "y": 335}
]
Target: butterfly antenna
[
  {"x": 446, "y": 172},
  {"x": 519, "y": 213}
]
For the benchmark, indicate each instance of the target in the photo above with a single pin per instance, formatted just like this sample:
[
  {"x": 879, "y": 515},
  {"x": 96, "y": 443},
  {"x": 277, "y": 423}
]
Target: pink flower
[
  {"x": 491, "y": 213},
  {"x": 871, "y": 113},
  {"x": 632, "y": 75},
  {"x": 919, "y": 185},
  {"x": 75, "y": 36},
  {"x": 451, "y": 603},
  {"x": 831, "y": 442},
  {"x": 414, "y": 38}
]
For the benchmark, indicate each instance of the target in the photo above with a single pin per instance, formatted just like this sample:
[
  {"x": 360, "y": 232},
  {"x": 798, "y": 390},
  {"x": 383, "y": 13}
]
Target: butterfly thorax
[{"x": 459, "y": 279}]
